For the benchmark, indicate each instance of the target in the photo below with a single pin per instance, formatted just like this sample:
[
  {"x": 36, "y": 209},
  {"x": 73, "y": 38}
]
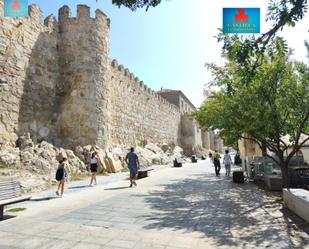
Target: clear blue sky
[{"x": 169, "y": 45}]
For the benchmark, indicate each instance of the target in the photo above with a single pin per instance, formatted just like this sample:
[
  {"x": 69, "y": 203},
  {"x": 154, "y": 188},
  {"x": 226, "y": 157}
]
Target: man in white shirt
[{"x": 227, "y": 160}]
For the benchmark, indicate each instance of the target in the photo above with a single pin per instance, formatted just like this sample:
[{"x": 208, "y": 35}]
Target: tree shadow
[
  {"x": 296, "y": 225},
  {"x": 217, "y": 208}
]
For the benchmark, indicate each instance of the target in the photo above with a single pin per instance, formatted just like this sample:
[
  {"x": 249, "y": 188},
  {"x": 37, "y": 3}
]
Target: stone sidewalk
[{"x": 174, "y": 208}]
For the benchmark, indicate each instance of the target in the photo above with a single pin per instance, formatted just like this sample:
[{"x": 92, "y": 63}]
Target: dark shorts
[
  {"x": 133, "y": 171},
  {"x": 93, "y": 167},
  {"x": 60, "y": 175}
]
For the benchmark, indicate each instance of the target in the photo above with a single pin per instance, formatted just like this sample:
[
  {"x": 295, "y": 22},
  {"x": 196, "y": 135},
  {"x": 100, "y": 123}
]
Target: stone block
[
  {"x": 297, "y": 200},
  {"x": 273, "y": 182}
]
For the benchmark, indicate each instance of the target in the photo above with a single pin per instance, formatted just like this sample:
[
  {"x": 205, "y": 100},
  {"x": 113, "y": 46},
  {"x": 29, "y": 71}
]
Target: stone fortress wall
[
  {"x": 138, "y": 113},
  {"x": 83, "y": 49},
  {"x": 58, "y": 83},
  {"x": 28, "y": 75}
]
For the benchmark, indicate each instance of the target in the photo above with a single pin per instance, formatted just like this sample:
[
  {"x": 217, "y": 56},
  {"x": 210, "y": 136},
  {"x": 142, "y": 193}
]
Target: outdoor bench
[
  {"x": 193, "y": 159},
  {"x": 143, "y": 173},
  {"x": 178, "y": 162},
  {"x": 10, "y": 193}
]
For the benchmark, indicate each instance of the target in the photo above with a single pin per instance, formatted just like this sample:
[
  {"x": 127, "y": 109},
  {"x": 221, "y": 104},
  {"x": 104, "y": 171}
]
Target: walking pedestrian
[
  {"x": 227, "y": 160},
  {"x": 210, "y": 155},
  {"x": 237, "y": 159},
  {"x": 61, "y": 176},
  {"x": 93, "y": 167},
  {"x": 133, "y": 165},
  {"x": 217, "y": 162}
]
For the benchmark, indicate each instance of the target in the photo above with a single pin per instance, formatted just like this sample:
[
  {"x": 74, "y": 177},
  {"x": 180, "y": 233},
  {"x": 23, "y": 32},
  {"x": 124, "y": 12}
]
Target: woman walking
[
  {"x": 61, "y": 176},
  {"x": 227, "y": 160},
  {"x": 93, "y": 168}
]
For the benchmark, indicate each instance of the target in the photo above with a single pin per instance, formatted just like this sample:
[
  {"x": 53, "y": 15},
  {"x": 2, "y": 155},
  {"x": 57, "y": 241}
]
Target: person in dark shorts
[
  {"x": 93, "y": 168},
  {"x": 217, "y": 163},
  {"x": 133, "y": 165},
  {"x": 61, "y": 176}
]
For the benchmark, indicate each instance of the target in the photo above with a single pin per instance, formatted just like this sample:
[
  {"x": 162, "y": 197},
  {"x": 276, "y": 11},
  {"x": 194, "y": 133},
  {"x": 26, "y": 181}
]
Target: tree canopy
[
  {"x": 136, "y": 4},
  {"x": 264, "y": 105}
]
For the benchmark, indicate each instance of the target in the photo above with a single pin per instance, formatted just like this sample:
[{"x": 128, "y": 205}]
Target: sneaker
[
  {"x": 57, "y": 193},
  {"x": 131, "y": 185},
  {"x": 134, "y": 183}
]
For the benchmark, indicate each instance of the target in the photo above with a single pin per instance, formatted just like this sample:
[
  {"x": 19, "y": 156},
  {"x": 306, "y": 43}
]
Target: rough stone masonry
[{"x": 57, "y": 82}]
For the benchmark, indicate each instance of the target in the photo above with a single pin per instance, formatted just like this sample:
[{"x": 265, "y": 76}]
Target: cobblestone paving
[{"x": 174, "y": 208}]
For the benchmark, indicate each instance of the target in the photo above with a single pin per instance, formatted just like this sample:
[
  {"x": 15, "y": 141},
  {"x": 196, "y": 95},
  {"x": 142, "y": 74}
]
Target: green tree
[
  {"x": 136, "y": 4},
  {"x": 263, "y": 106}
]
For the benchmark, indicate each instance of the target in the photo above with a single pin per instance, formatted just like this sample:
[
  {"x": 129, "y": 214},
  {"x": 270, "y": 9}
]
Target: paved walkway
[{"x": 174, "y": 208}]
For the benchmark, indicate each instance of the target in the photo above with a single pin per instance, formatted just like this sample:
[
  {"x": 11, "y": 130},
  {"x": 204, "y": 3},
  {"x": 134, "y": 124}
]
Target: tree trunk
[
  {"x": 285, "y": 176},
  {"x": 264, "y": 149}
]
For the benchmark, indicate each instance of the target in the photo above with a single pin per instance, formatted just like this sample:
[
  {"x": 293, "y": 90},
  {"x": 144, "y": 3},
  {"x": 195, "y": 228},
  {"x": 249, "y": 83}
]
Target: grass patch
[
  {"x": 15, "y": 210},
  {"x": 77, "y": 177},
  {"x": 102, "y": 173}
]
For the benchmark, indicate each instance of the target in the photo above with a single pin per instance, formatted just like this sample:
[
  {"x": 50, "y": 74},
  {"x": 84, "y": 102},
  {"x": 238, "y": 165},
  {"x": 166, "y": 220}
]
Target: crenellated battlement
[
  {"x": 83, "y": 11},
  {"x": 137, "y": 83},
  {"x": 64, "y": 13},
  {"x": 51, "y": 22},
  {"x": 114, "y": 63},
  {"x": 102, "y": 17},
  {"x": 126, "y": 72},
  {"x": 82, "y": 16},
  {"x": 35, "y": 11},
  {"x": 121, "y": 68}
]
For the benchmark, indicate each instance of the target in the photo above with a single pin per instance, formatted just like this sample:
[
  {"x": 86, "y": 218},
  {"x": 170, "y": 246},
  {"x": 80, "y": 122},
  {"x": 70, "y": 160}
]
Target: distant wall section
[
  {"x": 138, "y": 113},
  {"x": 191, "y": 134}
]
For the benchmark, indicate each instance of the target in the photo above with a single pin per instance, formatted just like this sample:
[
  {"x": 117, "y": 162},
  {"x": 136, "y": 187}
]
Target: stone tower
[{"x": 84, "y": 68}]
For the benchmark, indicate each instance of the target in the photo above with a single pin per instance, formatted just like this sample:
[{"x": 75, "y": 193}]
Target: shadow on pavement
[
  {"x": 118, "y": 188},
  {"x": 44, "y": 198},
  {"x": 6, "y": 217},
  {"x": 217, "y": 208},
  {"x": 8, "y": 247},
  {"x": 78, "y": 187}
]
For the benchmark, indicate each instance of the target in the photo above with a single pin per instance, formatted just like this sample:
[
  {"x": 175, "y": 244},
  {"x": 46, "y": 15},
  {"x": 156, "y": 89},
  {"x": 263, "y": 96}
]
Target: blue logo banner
[
  {"x": 15, "y": 8},
  {"x": 241, "y": 20}
]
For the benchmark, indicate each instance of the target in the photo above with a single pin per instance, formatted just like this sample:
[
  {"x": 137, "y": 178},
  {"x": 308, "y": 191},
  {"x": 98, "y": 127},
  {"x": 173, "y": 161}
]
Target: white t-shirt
[
  {"x": 93, "y": 160},
  {"x": 227, "y": 159}
]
